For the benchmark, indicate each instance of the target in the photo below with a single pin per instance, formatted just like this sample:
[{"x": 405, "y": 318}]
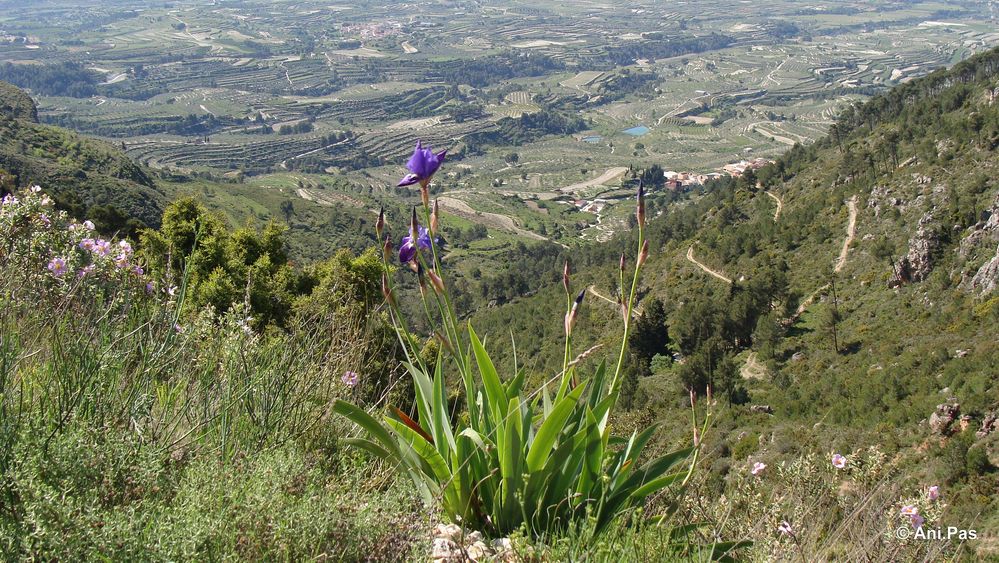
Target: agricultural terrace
[{"x": 543, "y": 104}]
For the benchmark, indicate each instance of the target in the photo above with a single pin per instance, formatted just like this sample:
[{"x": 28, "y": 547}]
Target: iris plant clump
[{"x": 542, "y": 460}]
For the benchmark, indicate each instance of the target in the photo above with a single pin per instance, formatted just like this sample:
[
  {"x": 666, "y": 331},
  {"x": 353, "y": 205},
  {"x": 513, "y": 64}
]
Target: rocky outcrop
[
  {"x": 982, "y": 235},
  {"x": 941, "y": 420},
  {"x": 986, "y": 279},
  {"x": 985, "y": 231},
  {"x": 990, "y": 424},
  {"x": 452, "y": 543},
  {"x": 917, "y": 264}
]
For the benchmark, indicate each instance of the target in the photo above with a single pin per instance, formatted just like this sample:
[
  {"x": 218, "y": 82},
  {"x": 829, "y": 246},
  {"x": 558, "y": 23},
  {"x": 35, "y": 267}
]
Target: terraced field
[{"x": 532, "y": 99}]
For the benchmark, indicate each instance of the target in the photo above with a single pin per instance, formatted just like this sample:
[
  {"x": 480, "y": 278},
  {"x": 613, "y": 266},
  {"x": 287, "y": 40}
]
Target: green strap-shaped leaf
[
  {"x": 440, "y": 472},
  {"x": 597, "y": 389},
  {"x": 550, "y": 429},
  {"x": 370, "y": 447},
  {"x": 656, "y": 485},
  {"x": 361, "y": 418},
  {"x": 495, "y": 394},
  {"x": 440, "y": 426},
  {"x": 514, "y": 386},
  {"x": 424, "y": 390}
]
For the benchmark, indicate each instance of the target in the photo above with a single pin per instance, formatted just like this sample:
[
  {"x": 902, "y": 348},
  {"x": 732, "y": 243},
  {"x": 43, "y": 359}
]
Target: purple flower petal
[
  {"x": 408, "y": 180},
  {"x": 423, "y": 240},
  {"x": 422, "y": 165},
  {"x": 407, "y": 251}
]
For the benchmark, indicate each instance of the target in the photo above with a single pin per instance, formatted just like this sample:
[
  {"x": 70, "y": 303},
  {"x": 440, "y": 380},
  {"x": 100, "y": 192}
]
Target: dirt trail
[
  {"x": 284, "y": 163},
  {"x": 780, "y": 205},
  {"x": 752, "y": 369},
  {"x": 607, "y": 176},
  {"x": 851, "y": 231},
  {"x": 690, "y": 256},
  {"x": 462, "y": 209}
]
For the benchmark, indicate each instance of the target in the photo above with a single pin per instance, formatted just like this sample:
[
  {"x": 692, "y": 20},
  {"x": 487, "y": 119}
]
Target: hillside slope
[
  {"x": 89, "y": 177},
  {"x": 94, "y": 179},
  {"x": 865, "y": 312}
]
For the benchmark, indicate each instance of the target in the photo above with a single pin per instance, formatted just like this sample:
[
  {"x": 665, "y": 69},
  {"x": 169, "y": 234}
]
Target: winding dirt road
[
  {"x": 690, "y": 256},
  {"x": 610, "y": 174},
  {"x": 752, "y": 369},
  {"x": 851, "y": 232}
]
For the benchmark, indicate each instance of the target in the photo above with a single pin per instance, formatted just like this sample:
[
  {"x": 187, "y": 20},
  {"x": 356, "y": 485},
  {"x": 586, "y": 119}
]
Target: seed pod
[
  {"x": 644, "y": 254},
  {"x": 387, "y": 291},
  {"x": 380, "y": 223},
  {"x": 436, "y": 281},
  {"x": 421, "y": 278},
  {"x": 387, "y": 249},
  {"x": 640, "y": 213},
  {"x": 435, "y": 218},
  {"x": 570, "y": 317}
]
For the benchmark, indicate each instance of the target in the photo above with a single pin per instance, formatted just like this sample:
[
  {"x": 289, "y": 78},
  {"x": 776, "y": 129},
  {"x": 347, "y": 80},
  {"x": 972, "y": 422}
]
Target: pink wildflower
[
  {"x": 758, "y": 468},
  {"x": 350, "y": 378},
  {"x": 838, "y": 461},
  {"x": 102, "y": 247},
  {"x": 785, "y": 528},
  {"x": 933, "y": 493},
  {"x": 58, "y": 267}
]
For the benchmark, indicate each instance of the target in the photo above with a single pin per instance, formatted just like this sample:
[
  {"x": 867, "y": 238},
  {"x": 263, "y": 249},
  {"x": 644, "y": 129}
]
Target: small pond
[{"x": 637, "y": 131}]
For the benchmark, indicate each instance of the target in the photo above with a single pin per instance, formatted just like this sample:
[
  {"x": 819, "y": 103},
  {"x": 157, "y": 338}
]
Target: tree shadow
[
  {"x": 797, "y": 330},
  {"x": 850, "y": 349}
]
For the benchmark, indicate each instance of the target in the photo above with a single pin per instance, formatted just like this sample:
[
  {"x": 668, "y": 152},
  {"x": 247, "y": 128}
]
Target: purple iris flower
[
  {"x": 407, "y": 251},
  {"x": 422, "y": 165}
]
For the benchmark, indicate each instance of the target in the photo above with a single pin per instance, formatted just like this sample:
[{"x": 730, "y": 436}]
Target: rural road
[
  {"x": 690, "y": 256},
  {"x": 607, "y": 176}
]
